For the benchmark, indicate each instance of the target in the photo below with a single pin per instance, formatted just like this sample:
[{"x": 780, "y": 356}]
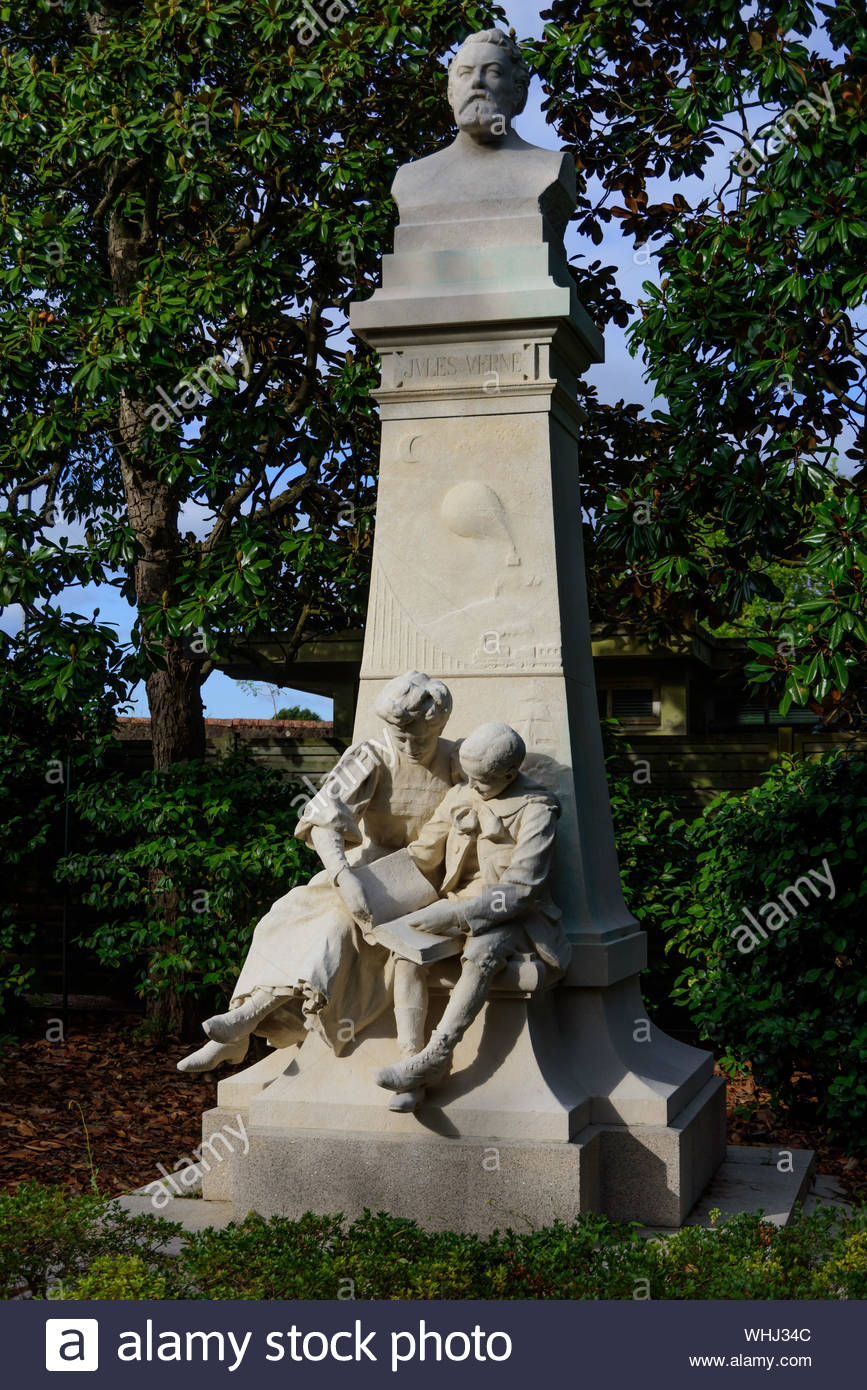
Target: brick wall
[{"x": 293, "y": 746}]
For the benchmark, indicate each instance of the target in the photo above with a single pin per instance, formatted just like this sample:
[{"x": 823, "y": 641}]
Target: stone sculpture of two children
[{"x": 485, "y": 844}]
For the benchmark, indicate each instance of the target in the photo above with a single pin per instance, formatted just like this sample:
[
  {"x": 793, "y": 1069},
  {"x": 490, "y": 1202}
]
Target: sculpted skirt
[{"x": 308, "y": 949}]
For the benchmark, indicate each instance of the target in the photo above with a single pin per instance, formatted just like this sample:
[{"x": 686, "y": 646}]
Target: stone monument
[{"x": 557, "y": 1095}]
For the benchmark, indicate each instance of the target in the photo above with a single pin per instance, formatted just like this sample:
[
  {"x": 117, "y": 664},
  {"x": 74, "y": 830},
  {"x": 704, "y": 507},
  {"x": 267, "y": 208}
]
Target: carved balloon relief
[
  {"x": 473, "y": 510},
  {"x": 418, "y": 618}
]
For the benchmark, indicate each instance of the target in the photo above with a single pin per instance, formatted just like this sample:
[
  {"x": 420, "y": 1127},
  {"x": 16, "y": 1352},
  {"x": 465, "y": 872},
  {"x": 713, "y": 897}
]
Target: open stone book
[{"x": 398, "y": 892}]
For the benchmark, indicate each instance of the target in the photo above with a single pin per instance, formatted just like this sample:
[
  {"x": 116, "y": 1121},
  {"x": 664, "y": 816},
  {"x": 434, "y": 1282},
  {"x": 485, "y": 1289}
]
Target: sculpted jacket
[{"x": 496, "y": 855}]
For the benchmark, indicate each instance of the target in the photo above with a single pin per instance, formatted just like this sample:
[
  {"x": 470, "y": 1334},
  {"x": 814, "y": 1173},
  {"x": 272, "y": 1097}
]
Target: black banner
[{"x": 354, "y": 1344}]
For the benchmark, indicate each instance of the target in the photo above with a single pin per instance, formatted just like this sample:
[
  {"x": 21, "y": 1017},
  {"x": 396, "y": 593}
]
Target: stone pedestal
[
  {"x": 652, "y": 1173},
  {"x": 551, "y": 1108},
  {"x": 562, "y": 1101}
]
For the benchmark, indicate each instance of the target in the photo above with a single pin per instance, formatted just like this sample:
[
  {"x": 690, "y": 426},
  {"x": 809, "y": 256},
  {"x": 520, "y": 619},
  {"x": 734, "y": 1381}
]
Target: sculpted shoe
[
  {"x": 213, "y": 1054},
  {"x": 239, "y": 1023},
  {"x": 406, "y": 1101},
  {"x": 424, "y": 1069}
]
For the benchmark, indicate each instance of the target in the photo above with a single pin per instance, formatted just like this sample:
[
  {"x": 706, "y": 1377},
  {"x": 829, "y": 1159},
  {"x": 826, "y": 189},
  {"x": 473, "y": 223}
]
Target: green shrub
[
  {"x": 657, "y": 862},
  {"x": 261, "y": 1259},
  {"x": 119, "y": 1276},
  {"x": 746, "y": 1257},
  {"x": 86, "y": 1249},
  {"x": 845, "y": 1273},
  {"x": 795, "y": 1005},
  {"x": 31, "y": 808},
  {"x": 60, "y": 681},
  {"x": 49, "y": 1239},
  {"x": 181, "y": 864}
]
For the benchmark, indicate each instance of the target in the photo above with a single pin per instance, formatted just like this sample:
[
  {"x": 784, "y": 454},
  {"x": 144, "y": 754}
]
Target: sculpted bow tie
[
  {"x": 477, "y": 819},
  {"x": 471, "y": 821}
]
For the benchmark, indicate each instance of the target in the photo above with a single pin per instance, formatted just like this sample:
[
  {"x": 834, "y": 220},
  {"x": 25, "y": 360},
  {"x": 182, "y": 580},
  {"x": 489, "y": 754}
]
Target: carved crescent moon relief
[
  {"x": 405, "y": 449},
  {"x": 466, "y": 603}
]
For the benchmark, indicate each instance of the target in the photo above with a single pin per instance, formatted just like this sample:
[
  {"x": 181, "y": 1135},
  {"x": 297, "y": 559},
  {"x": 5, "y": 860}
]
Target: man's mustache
[{"x": 478, "y": 96}]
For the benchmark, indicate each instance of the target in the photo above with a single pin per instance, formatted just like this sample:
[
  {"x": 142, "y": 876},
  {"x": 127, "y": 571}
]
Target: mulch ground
[
  {"x": 120, "y": 1094},
  {"x": 104, "y": 1087}
]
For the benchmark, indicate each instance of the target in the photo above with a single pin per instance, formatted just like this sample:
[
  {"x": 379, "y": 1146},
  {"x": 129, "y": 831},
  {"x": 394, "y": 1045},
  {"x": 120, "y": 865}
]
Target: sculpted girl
[{"x": 311, "y": 963}]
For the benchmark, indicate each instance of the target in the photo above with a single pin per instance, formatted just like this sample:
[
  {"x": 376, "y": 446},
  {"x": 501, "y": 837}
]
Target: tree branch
[
  {"x": 247, "y": 240},
  {"x": 128, "y": 172},
  {"x": 47, "y": 480},
  {"x": 840, "y": 394},
  {"x": 232, "y": 506},
  {"x": 30, "y": 486},
  {"x": 284, "y": 500}
]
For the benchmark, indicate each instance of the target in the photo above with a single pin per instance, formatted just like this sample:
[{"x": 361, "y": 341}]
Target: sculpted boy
[{"x": 487, "y": 849}]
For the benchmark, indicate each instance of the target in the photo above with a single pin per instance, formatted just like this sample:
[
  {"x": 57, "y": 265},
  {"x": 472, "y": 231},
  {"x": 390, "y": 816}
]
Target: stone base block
[
  {"x": 656, "y": 1173},
  {"x": 650, "y": 1173},
  {"x": 750, "y": 1179},
  {"x": 443, "y": 1184},
  {"x": 760, "y": 1179},
  {"x": 217, "y": 1170}
]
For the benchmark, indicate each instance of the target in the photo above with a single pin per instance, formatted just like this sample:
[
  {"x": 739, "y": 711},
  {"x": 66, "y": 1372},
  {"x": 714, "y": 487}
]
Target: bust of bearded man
[{"x": 489, "y": 187}]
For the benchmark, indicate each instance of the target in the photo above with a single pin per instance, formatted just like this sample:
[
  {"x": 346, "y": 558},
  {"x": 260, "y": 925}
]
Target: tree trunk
[
  {"x": 177, "y": 714},
  {"x": 174, "y": 684}
]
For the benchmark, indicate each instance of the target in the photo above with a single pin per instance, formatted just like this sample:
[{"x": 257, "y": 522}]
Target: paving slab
[{"x": 753, "y": 1178}]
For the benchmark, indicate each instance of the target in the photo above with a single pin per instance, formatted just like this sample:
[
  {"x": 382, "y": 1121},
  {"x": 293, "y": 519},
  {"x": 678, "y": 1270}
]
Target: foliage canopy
[{"x": 755, "y": 338}]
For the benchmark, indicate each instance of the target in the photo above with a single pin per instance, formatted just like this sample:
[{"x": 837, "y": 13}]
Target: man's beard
[{"x": 480, "y": 111}]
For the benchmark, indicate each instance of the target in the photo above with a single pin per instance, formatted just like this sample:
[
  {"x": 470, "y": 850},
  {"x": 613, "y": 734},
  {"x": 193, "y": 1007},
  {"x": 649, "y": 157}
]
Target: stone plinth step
[{"x": 748, "y": 1180}]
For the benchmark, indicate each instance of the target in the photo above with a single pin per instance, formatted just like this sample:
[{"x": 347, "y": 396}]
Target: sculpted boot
[
  {"x": 410, "y": 1040},
  {"x": 431, "y": 1064},
  {"x": 410, "y": 1013},
  {"x": 424, "y": 1069},
  {"x": 238, "y": 1024}
]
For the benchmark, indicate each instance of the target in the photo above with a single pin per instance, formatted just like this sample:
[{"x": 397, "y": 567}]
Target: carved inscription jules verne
[{"x": 475, "y": 366}]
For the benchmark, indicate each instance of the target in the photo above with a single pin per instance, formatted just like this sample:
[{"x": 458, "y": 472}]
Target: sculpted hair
[
  {"x": 406, "y": 697},
  {"x": 497, "y": 748},
  {"x": 521, "y": 74}
]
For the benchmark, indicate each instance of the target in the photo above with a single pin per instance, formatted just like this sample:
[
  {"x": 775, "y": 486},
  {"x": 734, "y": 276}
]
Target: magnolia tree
[
  {"x": 755, "y": 336},
  {"x": 194, "y": 190},
  {"x": 192, "y": 193}
]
